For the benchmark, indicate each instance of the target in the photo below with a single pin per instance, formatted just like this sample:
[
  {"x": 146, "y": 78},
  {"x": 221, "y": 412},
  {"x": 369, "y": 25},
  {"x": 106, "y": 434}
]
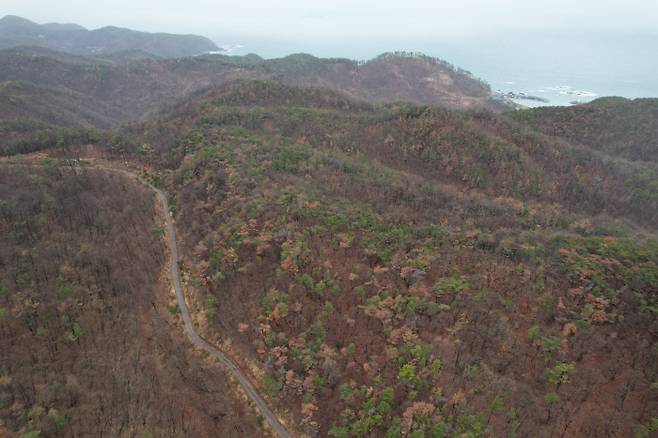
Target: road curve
[
  {"x": 228, "y": 363},
  {"x": 197, "y": 340}
]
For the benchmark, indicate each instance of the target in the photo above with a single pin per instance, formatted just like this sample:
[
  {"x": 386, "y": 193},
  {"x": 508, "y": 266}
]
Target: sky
[{"x": 346, "y": 18}]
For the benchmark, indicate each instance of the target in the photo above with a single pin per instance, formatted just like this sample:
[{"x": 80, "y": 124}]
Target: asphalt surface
[{"x": 197, "y": 340}]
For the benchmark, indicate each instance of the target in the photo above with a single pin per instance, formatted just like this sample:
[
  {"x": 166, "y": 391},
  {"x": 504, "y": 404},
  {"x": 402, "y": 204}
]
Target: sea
[{"x": 560, "y": 68}]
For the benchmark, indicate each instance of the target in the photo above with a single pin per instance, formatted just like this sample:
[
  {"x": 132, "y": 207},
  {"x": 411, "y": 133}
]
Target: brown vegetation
[
  {"x": 412, "y": 271},
  {"x": 90, "y": 345},
  {"x": 398, "y": 270}
]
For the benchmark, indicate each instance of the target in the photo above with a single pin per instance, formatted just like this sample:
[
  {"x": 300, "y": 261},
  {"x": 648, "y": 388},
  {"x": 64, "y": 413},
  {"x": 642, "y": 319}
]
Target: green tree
[
  {"x": 551, "y": 398},
  {"x": 408, "y": 373},
  {"x": 339, "y": 432},
  {"x": 497, "y": 404},
  {"x": 559, "y": 373}
]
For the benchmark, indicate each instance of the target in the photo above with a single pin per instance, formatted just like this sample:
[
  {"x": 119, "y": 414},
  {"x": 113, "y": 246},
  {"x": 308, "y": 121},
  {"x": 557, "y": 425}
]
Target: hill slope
[
  {"x": 21, "y": 100},
  {"x": 379, "y": 270},
  {"x": 16, "y": 31},
  {"x": 91, "y": 345},
  {"x": 617, "y": 126},
  {"x": 134, "y": 89},
  {"x": 409, "y": 270}
]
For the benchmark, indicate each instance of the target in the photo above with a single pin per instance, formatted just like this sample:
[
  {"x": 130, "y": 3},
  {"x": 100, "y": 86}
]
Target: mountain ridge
[
  {"x": 18, "y": 31},
  {"x": 136, "y": 85}
]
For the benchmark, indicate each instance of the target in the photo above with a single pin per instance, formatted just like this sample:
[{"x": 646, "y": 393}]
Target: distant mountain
[
  {"x": 56, "y": 108},
  {"x": 134, "y": 83},
  {"x": 614, "y": 125},
  {"x": 391, "y": 77},
  {"x": 33, "y": 117},
  {"x": 72, "y": 38}
]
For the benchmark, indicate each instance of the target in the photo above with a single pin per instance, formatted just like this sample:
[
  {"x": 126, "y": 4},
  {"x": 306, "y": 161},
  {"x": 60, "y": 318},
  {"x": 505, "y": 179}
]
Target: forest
[
  {"x": 377, "y": 267},
  {"x": 90, "y": 346}
]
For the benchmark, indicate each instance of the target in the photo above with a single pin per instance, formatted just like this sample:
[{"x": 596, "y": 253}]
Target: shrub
[
  {"x": 41, "y": 332},
  {"x": 271, "y": 385},
  {"x": 386, "y": 400},
  {"x": 339, "y": 432},
  {"x": 287, "y": 158},
  {"x": 646, "y": 431},
  {"x": 345, "y": 391},
  {"x": 497, "y": 404},
  {"x": 76, "y": 332},
  {"x": 559, "y": 373},
  {"x": 395, "y": 430},
  {"x": 546, "y": 301},
  {"x": 454, "y": 283},
  {"x": 211, "y": 309},
  {"x": 283, "y": 309},
  {"x": 551, "y": 398},
  {"x": 306, "y": 281},
  {"x": 408, "y": 373},
  {"x": 438, "y": 430},
  {"x": 533, "y": 332},
  {"x": 550, "y": 345},
  {"x": 420, "y": 353},
  {"x": 4, "y": 291},
  {"x": 60, "y": 420},
  {"x": 471, "y": 425}
]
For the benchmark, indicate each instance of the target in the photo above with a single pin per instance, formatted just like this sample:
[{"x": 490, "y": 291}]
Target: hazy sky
[{"x": 347, "y": 18}]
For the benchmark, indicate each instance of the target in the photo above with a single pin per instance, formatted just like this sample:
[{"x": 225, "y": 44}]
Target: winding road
[
  {"x": 269, "y": 416},
  {"x": 197, "y": 340}
]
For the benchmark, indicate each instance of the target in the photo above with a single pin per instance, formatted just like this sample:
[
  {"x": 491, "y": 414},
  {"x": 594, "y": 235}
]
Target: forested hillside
[
  {"x": 122, "y": 91},
  {"x": 378, "y": 250},
  {"x": 53, "y": 107},
  {"x": 412, "y": 271},
  {"x": 90, "y": 345},
  {"x": 617, "y": 126}
]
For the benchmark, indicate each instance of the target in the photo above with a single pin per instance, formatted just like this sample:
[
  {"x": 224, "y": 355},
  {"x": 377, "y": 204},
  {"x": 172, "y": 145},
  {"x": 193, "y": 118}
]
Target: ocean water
[{"x": 562, "y": 68}]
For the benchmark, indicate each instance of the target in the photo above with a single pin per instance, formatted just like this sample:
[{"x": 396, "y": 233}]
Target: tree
[
  {"x": 559, "y": 373},
  {"x": 408, "y": 373}
]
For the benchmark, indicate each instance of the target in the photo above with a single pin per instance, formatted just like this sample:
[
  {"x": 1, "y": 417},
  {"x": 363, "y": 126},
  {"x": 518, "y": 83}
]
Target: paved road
[
  {"x": 197, "y": 340},
  {"x": 228, "y": 363}
]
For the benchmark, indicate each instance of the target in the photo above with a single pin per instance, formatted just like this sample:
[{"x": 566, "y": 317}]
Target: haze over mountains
[
  {"x": 73, "y": 38},
  {"x": 384, "y": 249},
  {"x": 130, "y": 87}
]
